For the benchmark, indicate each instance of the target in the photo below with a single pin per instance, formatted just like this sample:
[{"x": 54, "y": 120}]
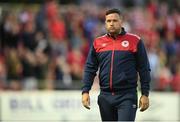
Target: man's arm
[
  {"x": 90, "y": 70},
  {"x": 143, "y": 68}
]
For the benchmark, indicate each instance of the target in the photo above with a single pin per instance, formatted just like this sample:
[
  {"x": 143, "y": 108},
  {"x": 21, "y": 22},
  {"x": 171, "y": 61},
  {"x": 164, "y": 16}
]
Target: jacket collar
[{"x": 123, "y": 32}]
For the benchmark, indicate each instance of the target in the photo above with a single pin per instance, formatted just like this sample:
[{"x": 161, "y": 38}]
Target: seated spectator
[
  {"x": 42, "y": 50},
  {"x": 2, "y": 73},
  {"x": 165, "y": 78},
  {"x": 76, "y": 62},
  {"x": 14, "y": 69},
  {"x": 176, "y": 79}
]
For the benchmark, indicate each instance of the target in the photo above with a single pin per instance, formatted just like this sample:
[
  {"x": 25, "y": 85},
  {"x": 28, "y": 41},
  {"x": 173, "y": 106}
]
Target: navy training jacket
[{"x": 119, "y": 61}]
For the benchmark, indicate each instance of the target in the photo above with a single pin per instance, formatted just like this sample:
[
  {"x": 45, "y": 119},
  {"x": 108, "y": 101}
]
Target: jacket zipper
[{"x": 111, "y": 70}]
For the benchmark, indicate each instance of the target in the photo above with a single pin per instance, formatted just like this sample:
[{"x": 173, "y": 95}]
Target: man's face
[{"x": 113, "y": 23}]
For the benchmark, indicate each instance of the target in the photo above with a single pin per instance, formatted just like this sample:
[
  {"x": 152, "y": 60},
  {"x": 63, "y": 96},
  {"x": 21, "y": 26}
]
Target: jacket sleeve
[
  {"x": 143, "y": 68},
  {"x": 90, "y": 70}
]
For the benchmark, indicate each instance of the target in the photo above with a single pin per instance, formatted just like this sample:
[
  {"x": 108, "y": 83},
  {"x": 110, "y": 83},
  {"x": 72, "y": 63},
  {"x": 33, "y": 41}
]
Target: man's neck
[{"x": 114, "y": 35}]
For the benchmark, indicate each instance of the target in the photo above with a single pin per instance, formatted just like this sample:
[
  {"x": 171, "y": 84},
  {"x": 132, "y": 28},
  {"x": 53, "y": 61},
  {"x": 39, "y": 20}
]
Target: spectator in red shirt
[{"x": 176, "y": 79}]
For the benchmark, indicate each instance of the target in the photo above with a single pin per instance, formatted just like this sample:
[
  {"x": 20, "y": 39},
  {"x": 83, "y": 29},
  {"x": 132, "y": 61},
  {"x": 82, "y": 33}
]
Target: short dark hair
[{"x": 114, "y": 10}]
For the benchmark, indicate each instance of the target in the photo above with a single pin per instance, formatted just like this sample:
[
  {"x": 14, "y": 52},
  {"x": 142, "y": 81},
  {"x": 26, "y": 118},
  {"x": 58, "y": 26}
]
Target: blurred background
[{"x": 44, "y": 43}]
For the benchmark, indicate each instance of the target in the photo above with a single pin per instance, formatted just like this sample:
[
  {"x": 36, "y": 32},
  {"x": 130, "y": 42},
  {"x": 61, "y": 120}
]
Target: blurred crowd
[{"x": 45, "y": 46}]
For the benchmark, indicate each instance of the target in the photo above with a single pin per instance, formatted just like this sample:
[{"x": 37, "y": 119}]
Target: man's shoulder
[
  {"x": 99, "y": 40},
  {"x": 101, "y": 37},
  {"x": 131, "y": 35}
]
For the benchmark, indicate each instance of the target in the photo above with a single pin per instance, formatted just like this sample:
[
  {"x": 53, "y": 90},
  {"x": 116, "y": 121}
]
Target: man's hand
[
  {"x": 143, "y": 103},
  {"x": 86, "y": 100}
]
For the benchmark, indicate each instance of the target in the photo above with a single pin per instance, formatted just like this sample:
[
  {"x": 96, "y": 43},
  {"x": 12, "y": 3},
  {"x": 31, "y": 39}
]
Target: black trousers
[{"x": 118, "y": 107}]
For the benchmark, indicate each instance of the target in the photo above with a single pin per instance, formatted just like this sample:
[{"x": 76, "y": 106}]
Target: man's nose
[{"x": 111, "y": 23}]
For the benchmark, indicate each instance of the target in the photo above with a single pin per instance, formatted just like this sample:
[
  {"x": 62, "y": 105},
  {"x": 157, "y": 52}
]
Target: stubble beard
[{"x": 114, "y": 33}]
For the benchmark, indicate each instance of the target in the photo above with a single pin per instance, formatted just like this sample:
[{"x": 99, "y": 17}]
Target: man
[{"x": 119, "y": 56}]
